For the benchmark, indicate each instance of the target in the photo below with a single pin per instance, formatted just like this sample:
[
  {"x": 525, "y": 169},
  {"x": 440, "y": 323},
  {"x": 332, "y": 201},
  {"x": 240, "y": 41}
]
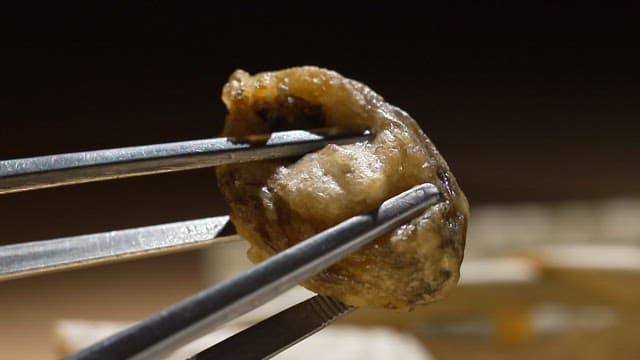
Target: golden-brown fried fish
[{"x": 276, "y": 204}]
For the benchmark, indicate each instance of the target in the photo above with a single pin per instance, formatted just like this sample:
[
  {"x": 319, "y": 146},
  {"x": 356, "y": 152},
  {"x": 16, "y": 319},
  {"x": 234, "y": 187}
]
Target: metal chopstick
[
  {"x": 278, "y": 332},
  {"x": 73, "y": 168},
  {"x": 40, "y": 257},
  {"x": 183, "y": 322}
]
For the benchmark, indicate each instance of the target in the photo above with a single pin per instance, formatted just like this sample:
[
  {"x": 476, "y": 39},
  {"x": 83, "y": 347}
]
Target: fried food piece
[{"x": 276, "y": 204}]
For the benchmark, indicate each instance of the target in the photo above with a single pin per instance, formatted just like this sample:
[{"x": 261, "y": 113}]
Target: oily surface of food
[{"x": 276, "y": 204}]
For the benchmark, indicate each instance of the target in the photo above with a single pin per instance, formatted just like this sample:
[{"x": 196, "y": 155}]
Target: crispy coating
[{"x": 276, "y": 204}]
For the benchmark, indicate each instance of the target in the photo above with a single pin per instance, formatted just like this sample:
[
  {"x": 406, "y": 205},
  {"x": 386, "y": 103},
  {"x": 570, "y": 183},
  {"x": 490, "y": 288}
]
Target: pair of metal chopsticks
[
  {"x": 67, "y": 169},
  {"x": 181, "y": 323}
]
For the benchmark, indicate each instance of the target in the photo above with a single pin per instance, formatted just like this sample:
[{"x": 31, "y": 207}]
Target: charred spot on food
[
  {"x": 289, "y": 113},
  {"x": 445, "y": 275}
]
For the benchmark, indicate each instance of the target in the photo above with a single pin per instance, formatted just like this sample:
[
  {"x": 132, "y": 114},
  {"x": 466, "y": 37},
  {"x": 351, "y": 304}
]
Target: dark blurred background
[{"x": 526, "y": 104}]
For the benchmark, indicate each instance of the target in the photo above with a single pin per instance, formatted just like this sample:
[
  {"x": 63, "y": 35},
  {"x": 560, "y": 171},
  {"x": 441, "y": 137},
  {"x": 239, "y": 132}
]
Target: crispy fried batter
[{"x": 276, "y": 204}]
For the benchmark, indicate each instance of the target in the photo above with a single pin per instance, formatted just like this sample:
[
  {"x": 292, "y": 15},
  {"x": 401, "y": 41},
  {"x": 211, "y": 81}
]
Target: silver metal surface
[
  {"x": 64, "y": 169},
  {"x": 279, "y": 332},
  {"x": 179, "y": 324},
  {"x": 52, "y": 255}
]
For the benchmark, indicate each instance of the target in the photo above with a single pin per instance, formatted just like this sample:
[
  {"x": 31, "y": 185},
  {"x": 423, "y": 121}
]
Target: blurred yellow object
[{"x": 513, "y": 325}]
